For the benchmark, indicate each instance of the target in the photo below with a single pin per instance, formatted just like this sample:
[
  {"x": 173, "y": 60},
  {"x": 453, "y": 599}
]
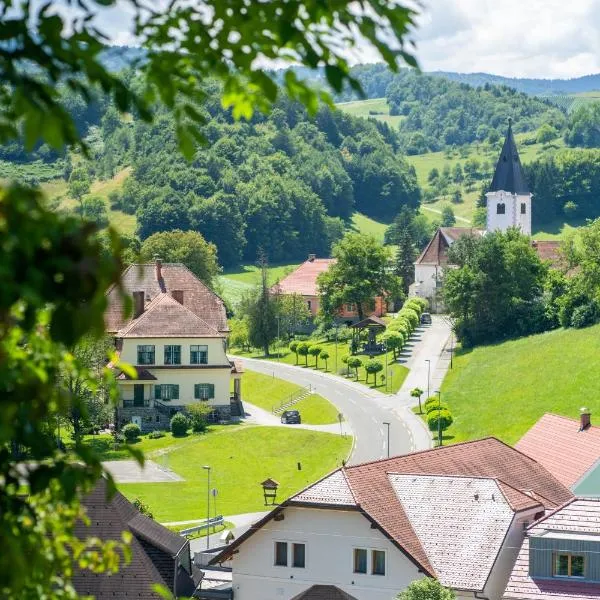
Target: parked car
[
  {"x": 291, "y": 417},
  {"x": 425, "y": 319}
]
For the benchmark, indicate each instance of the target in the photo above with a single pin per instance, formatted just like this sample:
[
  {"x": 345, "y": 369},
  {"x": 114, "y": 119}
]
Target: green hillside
[
  {"x": 376, "y": 108},
  {"x": 503, "y": 389}
]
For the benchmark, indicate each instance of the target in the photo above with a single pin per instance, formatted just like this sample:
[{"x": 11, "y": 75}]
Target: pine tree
[{"x": 405, "y": 259}]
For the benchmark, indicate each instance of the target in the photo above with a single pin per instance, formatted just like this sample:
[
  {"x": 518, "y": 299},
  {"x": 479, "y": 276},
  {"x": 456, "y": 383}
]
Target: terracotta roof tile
[
  {"x": 577, "y": 516},
  {"x": 323, "y": 592},
  {"x": 571, "y": 452},
  {"x": 436, "y": 252},
  {"x": 165, "y": 317},
  {"x": 175, "y": 276},
  {"x": 445, "y": 509},
  {"x": 303, "y": 280}
]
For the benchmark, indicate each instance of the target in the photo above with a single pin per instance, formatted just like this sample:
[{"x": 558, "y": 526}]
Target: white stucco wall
[
  {"x": 330, "y": 537},
  {"x": 512, "y": 216},
  {"x": 186, "y": 378}
]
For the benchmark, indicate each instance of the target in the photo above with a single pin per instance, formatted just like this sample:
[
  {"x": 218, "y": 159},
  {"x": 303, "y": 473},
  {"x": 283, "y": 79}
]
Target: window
[
  {"x": 309, "y": 304},
  {"x": 166, "y": 391},
  {"x": 569, "y": 565},
  {"x": 198, "y": 355},
  {"x": 172, "y": 355},
  {"x": 145, "y": 355},
  {"x": 360, "y": 560},
  {"x": 298, "y": 556},
  {"x": 204, "y": 391},
  {"x": 377, "y": 562},
  {"x": 523, "y": 208},
  {"x": 281, "y": 554},
  {"x": 351, "y": 307},
  {"x": 500, "y": 209}
]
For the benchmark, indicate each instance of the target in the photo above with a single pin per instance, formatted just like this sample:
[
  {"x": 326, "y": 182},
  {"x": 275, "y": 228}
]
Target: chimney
[
  {"x": 138, "y": 303},
  {"x": 177, "y": 295},
  {"x": 311, "y": 257},
  {"x": 158, "y": 262},
  {"x": 585, "y": 419}
]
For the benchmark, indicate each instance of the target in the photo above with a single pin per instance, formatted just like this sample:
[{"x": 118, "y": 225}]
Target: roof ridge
[
  {"x": 310, "y": 485},
  {"x": 512, "y": 487},
  {"x": 139, "y": 319},
  {"x": 343, "y": 469},
  {"x": 435, "y": 235},
  {"x": 553, "y": 512}
]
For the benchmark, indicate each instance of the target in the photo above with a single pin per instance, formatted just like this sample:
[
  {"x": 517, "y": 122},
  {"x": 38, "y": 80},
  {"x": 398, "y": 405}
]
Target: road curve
[{"x": 363, "y": 408}]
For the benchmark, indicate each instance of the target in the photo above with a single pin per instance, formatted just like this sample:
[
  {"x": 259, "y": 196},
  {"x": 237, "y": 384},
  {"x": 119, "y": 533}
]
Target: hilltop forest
[{"x": 289, "y": 183}]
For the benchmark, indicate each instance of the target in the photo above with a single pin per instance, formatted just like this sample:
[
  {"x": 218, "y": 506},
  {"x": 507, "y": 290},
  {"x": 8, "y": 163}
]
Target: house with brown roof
[
  {"x": 303, "y": 282},
  {"x": 568, "y": 448},
  {"x": 456, "y": 513},
  {"x": 176, "y": 340},
  {"x": 560, "y": 555},
  {"x": 158, "y": 556}
]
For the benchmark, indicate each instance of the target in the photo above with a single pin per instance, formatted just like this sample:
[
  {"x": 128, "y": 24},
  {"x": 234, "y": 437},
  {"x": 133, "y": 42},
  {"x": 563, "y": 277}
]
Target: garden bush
[
  {"x": 444, "y": 417},
  {"x": 179, "y": 425},
  {"x": 131, "y": 432},
  {"x": 198, "y": 416},
  {"x": 155, "y": 435},
  {"x": 373, "y": 366},
  {"x": 432, "y": 400},
  {"x": 435, "y": 406},
  {"x": 584, "y": 315},
  {"x": 414, "y": 306}
]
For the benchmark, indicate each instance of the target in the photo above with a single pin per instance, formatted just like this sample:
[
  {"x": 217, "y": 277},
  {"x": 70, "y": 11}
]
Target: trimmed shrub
[
  {"x": 324, "y": 355},
  {"x": 442, "y": 416},
  {"x": 435, "y": 406},
  {"x": 584, "y": 315},
  {"x": 354, "y": 363},
  {"x": 294, "y": 348},
  {"x": 373, "y": 367},
  {"x": 422, "y": 302},
  {"x": 414, "y": 306},
  {"x": 179, "y": 425},
  {"x": 394, "y": 340},
  {"x": 431, "y": 401},
  {"x": 315, "y": 350},
  {"x": 131, "y": 432},
  {"x": 155, "y": 435},
  {"x": 198, "y": 416},
  {"x": 303, "y": 351},
  {"x": 411, "y": 315}
]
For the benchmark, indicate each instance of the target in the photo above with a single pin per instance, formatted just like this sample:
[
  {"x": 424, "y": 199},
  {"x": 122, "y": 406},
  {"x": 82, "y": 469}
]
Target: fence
[
  {"x": 290, "y": 400},
  {"x": 214, "y": 522}
]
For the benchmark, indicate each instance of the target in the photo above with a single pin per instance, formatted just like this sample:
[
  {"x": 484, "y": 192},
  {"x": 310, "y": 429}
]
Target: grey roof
[{"x": 509, "y": 176}]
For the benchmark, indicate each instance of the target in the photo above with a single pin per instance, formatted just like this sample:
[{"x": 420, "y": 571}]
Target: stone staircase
[{"x": 293, "y": 399}]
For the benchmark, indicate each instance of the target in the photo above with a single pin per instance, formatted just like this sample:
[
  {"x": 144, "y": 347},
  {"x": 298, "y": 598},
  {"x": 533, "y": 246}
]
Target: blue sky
[{"x": 515, "y": 38}]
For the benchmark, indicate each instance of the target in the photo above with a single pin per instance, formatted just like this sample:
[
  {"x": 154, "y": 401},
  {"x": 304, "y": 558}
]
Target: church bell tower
[{"x": 509, "y": 199}]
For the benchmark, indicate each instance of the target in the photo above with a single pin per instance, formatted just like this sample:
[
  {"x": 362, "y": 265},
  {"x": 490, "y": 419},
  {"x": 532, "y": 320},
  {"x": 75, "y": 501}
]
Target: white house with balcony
[
  {"x": 456, "y": 513},
  {"x": 176, "y": 341}
]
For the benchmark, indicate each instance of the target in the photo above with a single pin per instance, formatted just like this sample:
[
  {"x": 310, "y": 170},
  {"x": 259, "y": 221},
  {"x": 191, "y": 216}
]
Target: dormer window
[
  {"x": 567, "y": 564},
  {"x": 500, "y": 209}
]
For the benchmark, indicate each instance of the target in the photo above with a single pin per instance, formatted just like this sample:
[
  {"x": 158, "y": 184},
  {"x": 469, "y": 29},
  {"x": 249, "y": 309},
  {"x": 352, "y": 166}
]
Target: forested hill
[{"x": 284, "y": 183}]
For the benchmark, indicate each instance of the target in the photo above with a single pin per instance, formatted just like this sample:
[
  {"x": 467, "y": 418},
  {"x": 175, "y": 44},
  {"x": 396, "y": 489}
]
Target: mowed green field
[
  {"x": 502, "y": 390},
  {"x": 364, "y": 224},
  {"x": 269, "y": 392},
  {"x": 240, "y": 458},
  {"x": 375, "y": 108}
]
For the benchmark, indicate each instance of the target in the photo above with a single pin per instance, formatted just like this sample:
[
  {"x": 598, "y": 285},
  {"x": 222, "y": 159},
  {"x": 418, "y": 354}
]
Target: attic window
[
  {"x": 500, "y": 209},
  {"x": 568, "y": 565}
]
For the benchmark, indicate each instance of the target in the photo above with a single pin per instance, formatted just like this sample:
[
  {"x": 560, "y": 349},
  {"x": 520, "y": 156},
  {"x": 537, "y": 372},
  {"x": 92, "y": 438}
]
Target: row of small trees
[{"x": 305, "y": 349}]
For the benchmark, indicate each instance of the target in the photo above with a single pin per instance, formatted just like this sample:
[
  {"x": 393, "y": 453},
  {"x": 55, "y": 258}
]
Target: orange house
[{"x": 303, "y": 281}]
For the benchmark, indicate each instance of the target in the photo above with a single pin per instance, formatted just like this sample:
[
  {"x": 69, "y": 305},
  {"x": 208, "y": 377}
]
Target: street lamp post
[
  {"x": 336, "y": 343},
  {"x": 428, "y": 374},
  {"x": 207, "y": 468},
  {"x": 388, "y": 439},
  {"x": 439, "y": 393}
]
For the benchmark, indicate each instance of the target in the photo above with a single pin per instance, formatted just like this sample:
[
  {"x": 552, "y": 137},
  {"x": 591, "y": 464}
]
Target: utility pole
[
  {"x": 207, "y": 468},
  {"x": 428, "y": 375},
  {"x": 388, "y": 439}
]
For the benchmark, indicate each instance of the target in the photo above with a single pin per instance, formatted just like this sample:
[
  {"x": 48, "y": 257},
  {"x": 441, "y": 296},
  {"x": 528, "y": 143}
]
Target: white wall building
[
  {"x": 456, "y": 513},
  {"x": 176, "y": 340}
]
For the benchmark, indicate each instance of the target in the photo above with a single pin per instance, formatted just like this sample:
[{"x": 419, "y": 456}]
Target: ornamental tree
[
  {"x": 302, "y": 350},
  {"x": 354, "y": 363},
  {"x": 315, "y": 350},
  {"x": 373, "y": 367},
  {"x": 417, "y": 393},
  {"x": 324, "y": 355}
]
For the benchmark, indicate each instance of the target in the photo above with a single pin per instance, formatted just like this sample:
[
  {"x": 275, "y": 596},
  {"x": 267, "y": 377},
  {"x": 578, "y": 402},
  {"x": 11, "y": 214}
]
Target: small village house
[
  {"x": 303, "y": 282},
  {"x": 176, "y": 339},
  {"x": 457, "y": 513}
]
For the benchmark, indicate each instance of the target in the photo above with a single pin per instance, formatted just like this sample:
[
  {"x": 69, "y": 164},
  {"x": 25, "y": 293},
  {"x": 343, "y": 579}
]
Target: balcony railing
[{"x": 130, "y": 402}]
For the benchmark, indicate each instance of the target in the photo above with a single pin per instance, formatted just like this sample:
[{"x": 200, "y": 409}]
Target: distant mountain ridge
[{"x": 538, "y": 87}]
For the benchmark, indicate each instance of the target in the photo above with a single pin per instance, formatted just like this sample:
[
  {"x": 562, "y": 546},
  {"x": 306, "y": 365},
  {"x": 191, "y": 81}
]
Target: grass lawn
[
  {"x": 266, "y": 391},
  {"x": 240, "y": 458},
  {"x": 396, "y": 371},
  {"x": 364, "y": 224},
  {"x": 503, "y": 389},
  {"x": 374, "y": 108}
]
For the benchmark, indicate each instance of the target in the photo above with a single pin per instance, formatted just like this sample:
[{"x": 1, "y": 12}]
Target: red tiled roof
[
  {"x": 370, "y": 491},
  {"x": 548, "y": 250},
  {"x": 237, "y": 366},
  {"x": 557, "y": 443},
  {"x": 578, "y": 516},
  {"x": 323, "y": 592},
  {"x": 165, "y": 317},
  {"x": 198, "y": 298},
  {"x": 303, "y": 280}
]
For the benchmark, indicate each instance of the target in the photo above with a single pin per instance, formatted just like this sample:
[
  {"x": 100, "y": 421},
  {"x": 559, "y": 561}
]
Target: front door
[{"x": 138, "y": 394}]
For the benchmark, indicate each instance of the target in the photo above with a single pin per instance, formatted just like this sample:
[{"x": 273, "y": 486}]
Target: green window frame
[
  {"x": 145, "y": 354},
  {"x": 567, "y": 564},
  {"x": 172, "y": 355},
  {"x": 198, "y": 355},
  {"x": 204, "y": 391},
  {"x": 166, "y": 391}
]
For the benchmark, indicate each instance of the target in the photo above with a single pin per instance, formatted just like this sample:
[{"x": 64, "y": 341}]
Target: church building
[{"x": 509, "y": 204}]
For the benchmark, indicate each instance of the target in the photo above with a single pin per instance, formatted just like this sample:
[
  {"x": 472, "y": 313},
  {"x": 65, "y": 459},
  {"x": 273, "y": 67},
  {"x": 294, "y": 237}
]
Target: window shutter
[
  {"x": 196, "y": 391},
  {"x": 175, "y": 392},
  {"x": 157, "y": 394},
  {"x": 211, "y": 390}
]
